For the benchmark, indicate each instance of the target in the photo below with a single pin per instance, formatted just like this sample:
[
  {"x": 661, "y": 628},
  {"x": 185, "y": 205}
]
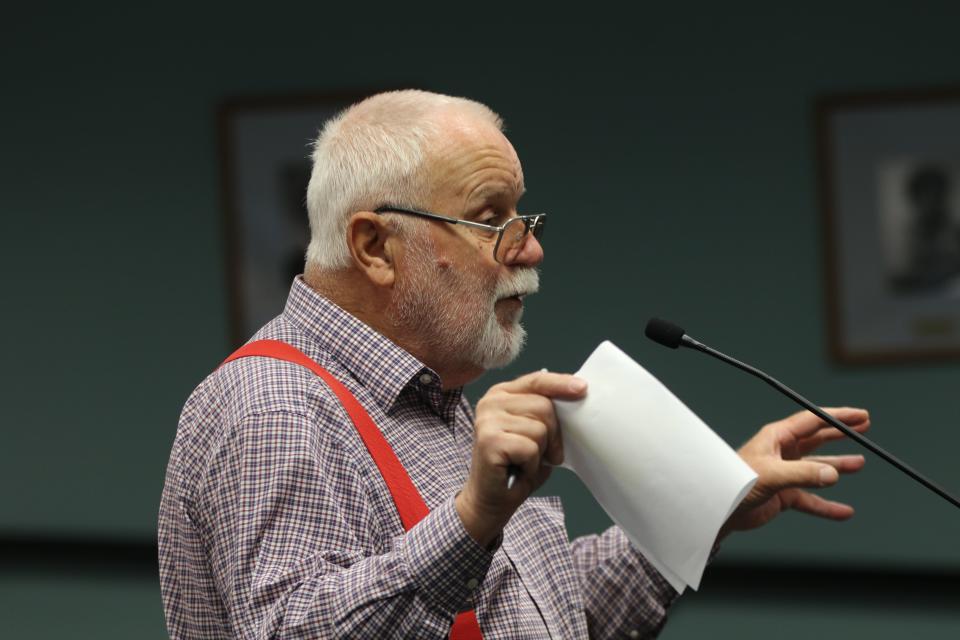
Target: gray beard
[{"x": 453, "y": 312}]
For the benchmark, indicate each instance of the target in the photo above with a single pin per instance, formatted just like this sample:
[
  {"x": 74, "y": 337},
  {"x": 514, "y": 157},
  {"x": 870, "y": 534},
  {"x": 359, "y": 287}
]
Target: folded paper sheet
[{"x": 652, "y": 464}]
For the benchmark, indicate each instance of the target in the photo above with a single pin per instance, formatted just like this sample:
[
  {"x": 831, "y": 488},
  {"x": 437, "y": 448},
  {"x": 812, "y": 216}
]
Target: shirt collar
[{"x": 383, "y": 368}]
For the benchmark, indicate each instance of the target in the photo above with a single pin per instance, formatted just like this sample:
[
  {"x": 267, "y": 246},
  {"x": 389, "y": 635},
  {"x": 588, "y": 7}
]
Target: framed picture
[
  {"x": 265, "y": 146},
  {"x": 890, "y": 186}
]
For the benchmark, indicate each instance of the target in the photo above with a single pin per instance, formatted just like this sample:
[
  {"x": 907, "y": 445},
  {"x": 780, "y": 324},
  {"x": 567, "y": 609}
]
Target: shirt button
[
  {"x": 472, "y": 583},
  {"x": 426, "y": 378},
  {"x": 634, "y": 634}
]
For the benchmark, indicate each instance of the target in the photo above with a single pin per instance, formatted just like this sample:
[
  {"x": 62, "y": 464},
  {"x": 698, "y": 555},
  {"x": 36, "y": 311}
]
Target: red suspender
[{"x": 410, "y": 504}]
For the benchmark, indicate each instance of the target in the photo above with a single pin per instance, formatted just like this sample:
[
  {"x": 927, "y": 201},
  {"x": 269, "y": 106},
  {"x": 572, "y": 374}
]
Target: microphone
[{"x": 672, "y": 336}]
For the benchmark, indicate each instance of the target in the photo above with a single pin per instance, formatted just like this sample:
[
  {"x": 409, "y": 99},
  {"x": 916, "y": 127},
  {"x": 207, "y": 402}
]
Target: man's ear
[{"x": 371, "y": 244}]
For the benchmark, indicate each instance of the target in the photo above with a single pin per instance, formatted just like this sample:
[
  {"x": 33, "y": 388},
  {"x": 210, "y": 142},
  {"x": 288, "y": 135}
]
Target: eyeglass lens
[{"x": 513, "y": 235}]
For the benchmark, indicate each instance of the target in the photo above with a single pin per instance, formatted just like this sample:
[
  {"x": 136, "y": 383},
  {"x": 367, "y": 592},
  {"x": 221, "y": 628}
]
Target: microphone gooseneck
[{"x": 672, "y": 336}]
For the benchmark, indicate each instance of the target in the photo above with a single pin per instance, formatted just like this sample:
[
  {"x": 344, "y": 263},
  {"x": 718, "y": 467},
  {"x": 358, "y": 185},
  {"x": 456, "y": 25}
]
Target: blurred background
[{"x": 677, "y": 152}]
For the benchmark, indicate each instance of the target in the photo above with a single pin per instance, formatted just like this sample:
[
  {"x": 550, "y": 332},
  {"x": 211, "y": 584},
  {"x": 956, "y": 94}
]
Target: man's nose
[{"x": 530, "y": 254}]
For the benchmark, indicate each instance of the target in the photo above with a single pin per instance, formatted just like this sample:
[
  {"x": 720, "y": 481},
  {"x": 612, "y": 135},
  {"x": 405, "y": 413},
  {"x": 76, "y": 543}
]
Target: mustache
[{"x": 520, "y": 283}]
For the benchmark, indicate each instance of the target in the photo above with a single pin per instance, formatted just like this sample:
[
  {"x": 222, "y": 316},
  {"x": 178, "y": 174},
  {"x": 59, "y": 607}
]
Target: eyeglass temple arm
[
  {"x": 437, "y": 216},
  {"x": 468, "y": 223}
]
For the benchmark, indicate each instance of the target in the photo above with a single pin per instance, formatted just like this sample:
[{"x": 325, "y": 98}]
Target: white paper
[{"x": 659, "y": 471}]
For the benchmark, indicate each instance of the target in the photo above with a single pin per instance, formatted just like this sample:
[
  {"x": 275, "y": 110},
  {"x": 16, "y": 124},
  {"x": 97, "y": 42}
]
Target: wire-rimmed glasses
[{"x": 510, "y": 234}]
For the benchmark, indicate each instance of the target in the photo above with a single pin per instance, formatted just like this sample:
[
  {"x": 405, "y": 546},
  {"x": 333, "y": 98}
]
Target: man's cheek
[{"x": 443, "y": 263}]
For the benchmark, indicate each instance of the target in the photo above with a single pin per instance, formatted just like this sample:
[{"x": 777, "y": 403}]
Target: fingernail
[
  {"x": 828, "y": 475},
  {"x": 577, "y": 385}
]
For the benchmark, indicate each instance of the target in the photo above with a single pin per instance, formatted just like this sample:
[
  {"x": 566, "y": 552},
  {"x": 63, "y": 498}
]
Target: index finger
[
  {"x": 814, "y": 442},
  {"x": 805, "y": 423},
  {"x": 562, "y": 386}
]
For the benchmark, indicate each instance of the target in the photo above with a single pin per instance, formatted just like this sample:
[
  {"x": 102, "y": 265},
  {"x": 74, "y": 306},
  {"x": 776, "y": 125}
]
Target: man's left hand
[{"x": 779, "y": 455}]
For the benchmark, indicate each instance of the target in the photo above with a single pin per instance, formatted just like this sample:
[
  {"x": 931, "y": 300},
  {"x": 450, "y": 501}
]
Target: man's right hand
[{"x": 515, "y": 426}]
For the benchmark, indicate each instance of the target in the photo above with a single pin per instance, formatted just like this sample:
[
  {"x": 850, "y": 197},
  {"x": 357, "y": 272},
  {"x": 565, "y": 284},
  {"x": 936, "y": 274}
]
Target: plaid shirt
[{"x": 275, "y": 523}]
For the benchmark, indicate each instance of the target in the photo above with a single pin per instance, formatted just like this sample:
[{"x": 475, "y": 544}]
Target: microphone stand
[{"x": 690, "y": 343}]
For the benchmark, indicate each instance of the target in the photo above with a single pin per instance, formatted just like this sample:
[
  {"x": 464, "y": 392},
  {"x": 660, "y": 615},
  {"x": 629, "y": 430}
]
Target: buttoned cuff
[
  {"x": 447, "y": 564},
  {"x": 659, "y": 587}
]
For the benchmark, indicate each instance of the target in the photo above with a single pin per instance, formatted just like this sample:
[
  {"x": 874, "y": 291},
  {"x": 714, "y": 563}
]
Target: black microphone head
[{"x": 666, "y": 333}]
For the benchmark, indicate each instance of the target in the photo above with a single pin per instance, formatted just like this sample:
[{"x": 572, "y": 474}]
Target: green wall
[{"x": 673, "y": 148}]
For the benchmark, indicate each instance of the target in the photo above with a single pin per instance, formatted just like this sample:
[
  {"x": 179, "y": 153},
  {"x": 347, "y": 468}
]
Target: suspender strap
[
  {"x": 409, "y": 503},
  {"x": 411, "y": 506}
]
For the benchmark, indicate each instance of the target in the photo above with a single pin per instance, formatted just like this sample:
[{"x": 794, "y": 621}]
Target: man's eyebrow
[{"x": 495, "y": 191}]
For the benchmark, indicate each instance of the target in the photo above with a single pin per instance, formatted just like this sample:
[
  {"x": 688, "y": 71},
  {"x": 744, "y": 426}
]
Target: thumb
[{"x": 802, "y": 473}]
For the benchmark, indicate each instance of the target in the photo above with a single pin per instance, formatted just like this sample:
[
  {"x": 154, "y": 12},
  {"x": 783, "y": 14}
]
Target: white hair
[{"x": 375, "y": 152}]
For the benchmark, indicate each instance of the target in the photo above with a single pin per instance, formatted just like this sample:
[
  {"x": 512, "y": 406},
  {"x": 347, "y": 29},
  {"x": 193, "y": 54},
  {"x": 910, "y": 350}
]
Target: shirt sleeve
[
  {"x": 284, "y": 523},
  {"x": 624, "y": 595}
]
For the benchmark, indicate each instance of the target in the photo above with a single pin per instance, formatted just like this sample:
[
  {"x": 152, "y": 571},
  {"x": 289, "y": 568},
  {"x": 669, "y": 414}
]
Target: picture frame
[
  {"x": 889, "y": 174},
  {"x": 264, "y": 146}
]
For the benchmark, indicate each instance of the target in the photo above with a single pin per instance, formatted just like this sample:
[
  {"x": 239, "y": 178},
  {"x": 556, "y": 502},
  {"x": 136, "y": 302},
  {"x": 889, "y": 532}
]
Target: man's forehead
[
  {"x": 490, "y": 179},
  {"x": 476, "y": 159},
  {"x": 495, "y": 190}
]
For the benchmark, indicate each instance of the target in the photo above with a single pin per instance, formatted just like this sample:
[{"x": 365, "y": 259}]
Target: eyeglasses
[{"x": 510, "y": 235}]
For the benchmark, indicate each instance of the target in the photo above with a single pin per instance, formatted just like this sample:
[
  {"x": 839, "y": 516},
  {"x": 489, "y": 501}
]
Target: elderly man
[{"x": 330, "y": 479}]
